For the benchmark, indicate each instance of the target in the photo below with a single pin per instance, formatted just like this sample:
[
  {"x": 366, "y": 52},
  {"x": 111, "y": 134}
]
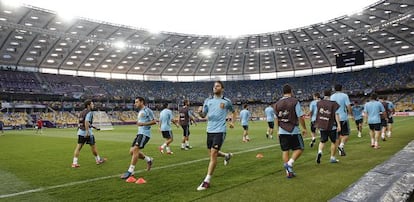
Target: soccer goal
[{"x": 101, "y": 120}]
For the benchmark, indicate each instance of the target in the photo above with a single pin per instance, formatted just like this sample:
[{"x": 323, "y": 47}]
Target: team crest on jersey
[{"x": 222, "y": 105}]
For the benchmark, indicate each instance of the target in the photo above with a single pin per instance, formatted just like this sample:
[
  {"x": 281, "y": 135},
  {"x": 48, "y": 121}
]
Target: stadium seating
[
  {"x": 117, "y": 96},
  {"x": 390, "y": 78}
]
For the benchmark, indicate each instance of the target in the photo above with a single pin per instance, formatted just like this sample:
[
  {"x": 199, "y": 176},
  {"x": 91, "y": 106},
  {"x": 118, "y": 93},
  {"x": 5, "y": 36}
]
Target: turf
[{"x": 37, "y": 167}]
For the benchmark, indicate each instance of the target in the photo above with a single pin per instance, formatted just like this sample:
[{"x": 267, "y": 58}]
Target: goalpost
[{"x": 101, "y": 120}]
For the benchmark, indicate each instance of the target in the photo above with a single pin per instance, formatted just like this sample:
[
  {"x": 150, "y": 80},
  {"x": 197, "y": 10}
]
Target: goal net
[{"x": 101, "y": 120}]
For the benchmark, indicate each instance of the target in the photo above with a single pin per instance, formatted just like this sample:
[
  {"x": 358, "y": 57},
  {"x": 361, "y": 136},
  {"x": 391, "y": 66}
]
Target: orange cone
[
  {"x": 131, "y": 179},
  {"x": 259, "y": 156},
  {"x": 140, "y": 181}
]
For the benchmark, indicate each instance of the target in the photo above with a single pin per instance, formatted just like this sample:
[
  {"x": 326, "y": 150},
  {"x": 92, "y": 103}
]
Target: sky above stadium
[{"x": 212, "y": 17}]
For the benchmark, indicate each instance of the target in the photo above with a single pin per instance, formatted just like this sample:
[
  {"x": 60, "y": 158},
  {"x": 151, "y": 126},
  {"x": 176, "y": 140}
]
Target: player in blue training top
[
  {"x": 289, "y": 116},
  {"x": 270, "y": 118},
  {"x": 313, "y": 111},
  {"x": 372, "y": 112},
  {"x": 166, "y": 118},
  {"x": 327, "y": 121},
  {"x": 391, "y": 112},
  {"x": 345, "y": 111},
  {"x": 145, "y": 120},
  {"x": 357, "y": 112},
  {"x": 216, "y": 109},
  {"x": 384, "y": 116},
  {"x": 244, "y": 120},
  {"x": 85, "y": 134}
]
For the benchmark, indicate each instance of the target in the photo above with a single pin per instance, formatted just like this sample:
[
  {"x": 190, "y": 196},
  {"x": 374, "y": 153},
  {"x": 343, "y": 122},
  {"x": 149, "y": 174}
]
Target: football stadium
[{"x": 94, "y": 108}]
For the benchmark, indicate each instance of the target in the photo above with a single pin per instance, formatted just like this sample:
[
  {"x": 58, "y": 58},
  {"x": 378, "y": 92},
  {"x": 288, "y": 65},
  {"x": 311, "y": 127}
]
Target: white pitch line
[
  {"x": 112, "y": 176},
  {"x": 156, "y": 168}
]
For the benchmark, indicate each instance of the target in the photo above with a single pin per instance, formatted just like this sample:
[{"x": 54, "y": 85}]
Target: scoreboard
[{"x": 350, "y": 59}]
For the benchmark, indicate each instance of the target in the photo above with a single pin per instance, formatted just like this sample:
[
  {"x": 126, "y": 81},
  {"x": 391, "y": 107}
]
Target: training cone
[
  {"x": 259, "y": 156},
  {"x": 140, "y": 181},
  {"x": 131, "y": 179}
]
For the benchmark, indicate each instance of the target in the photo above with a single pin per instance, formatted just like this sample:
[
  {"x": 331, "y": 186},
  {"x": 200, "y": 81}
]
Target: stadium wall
[{"x": 392, "y": 180}]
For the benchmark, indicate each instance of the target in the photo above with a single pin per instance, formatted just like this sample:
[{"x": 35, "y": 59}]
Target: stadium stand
[
  {"x": 386, "y": 79},
  {"x": 34, "y": 40},
  {"x": 116, "y": 96}
]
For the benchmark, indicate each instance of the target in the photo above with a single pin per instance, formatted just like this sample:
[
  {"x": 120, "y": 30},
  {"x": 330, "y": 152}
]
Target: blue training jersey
[
  {"x": 216, "y": 110},
  {"x": 270, "y": 114},
  {"x": 145, "y": 115},
  {"x": 295, "y": 130},
  {"x": 166, "y": 116},
  {"x": 390, "y": 105},
  {"x": 244, "y": 117},
  {"x": 374, "y": 109},
  {"x": 357, "y": 111},
  {"x": 314, "y": 109},
  {"x": 343, "y": 100},
  {"x": 89, "y": 118}
]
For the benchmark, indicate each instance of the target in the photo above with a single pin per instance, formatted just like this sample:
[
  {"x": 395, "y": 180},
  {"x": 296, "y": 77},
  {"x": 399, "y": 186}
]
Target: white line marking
[
  {"x": 112, "y": 176},
  {"x": 156, "y": 168}
]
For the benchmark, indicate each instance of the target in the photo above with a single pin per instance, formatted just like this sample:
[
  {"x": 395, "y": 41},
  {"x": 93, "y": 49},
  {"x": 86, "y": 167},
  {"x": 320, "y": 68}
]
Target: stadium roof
[
  {"x": 204, "y": 17},
  {"x": 35, "y": 38}
]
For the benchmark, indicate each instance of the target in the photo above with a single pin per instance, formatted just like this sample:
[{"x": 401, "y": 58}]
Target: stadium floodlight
[
  {"x": 13, "y": 3},
  {"x": 154, "y": 31},
  {"x": 65, "y": 15},
  {"x": 119, "y": 44},
  {"x": 232, "y": 36},
  {"x": 206, "y": 52}
]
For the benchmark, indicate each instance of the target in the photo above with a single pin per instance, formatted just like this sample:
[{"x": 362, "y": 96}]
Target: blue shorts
[
  {"x": 215, "y": 140},
  {"x": 331, "y": 134},
  {"x": 312, "y": 127},
  {"x": 140, "y": 141},
  {"x": 384, "y": 123},
  {"x": 344, "y": 128},
  {"x": 186, "y": 130},
  {"x": 271, "y": 124},
  {"x": 246, "y": 127},
  {"x": 90, "y": 140},
  {"x": 291, "y": 142},
  {"x": 375, "y": 126},
  {"x": 167, "y": 134},
  {"x": 359, "y": 121}
]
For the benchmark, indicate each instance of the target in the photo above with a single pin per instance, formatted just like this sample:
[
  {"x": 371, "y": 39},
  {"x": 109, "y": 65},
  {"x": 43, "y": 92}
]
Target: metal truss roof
[{"x": 35, "y": 37}]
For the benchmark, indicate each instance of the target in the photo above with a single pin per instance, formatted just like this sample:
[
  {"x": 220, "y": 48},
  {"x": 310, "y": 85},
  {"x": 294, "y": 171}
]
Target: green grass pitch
[{"x": 37, "y": 167}]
